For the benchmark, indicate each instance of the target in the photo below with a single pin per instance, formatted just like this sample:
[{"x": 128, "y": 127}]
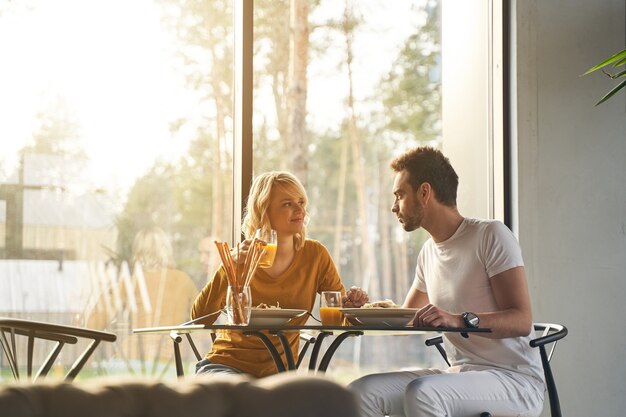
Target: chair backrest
[
  {"x": 548, "y": 334},
  {"x": 34, "y": 331}
]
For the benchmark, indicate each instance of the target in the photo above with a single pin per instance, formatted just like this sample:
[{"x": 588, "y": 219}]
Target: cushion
[{"x": 282, "y": 395}]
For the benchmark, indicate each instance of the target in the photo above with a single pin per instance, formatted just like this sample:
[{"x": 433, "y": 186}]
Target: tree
[
  {"x": 173, "y": 195},
  {"x": 298, "y": 63},
  {"x": 411, "y": 91},
  {"x": 356, "y": 158},
  {"x": 58, "y": 132},
  {"x": 282, "y": 33},
  {"x": 271, "y": 67},
  {"x": 411, "y": 94},
  {"x": 348, "y": 26},
  {"x": 151, "y": 201},
  {"x": 205, "y": 32}
]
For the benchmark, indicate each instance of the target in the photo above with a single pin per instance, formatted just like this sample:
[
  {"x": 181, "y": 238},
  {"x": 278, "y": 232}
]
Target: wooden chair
[
  {"x": 35, "y": 331},
  {"x": 547, "y": 336}
]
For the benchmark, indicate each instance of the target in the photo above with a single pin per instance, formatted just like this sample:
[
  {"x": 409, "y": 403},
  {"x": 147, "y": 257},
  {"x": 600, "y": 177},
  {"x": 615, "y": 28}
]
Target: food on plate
[
  {"x": 269, "y": 306},
  {"x": 381, "y": 304}
]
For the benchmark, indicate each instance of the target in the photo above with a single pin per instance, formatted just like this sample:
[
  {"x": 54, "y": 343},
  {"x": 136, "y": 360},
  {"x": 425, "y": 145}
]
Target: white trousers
[{"x": 460, "y": 391}]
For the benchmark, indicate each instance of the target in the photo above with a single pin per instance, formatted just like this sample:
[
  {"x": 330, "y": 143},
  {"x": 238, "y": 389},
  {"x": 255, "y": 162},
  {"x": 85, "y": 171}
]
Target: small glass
[
  {"x": 238, "y": 306},
  {"x": 330, "y": 304},
  {"x": 270, "y": 238}
]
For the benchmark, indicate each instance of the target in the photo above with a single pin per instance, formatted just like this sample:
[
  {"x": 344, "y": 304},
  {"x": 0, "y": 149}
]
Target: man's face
[{"x": 406, "y": 205}]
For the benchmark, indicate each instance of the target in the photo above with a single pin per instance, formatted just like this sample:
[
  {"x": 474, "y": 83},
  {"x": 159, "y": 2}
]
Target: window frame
[{"x": 243, "y": 27}]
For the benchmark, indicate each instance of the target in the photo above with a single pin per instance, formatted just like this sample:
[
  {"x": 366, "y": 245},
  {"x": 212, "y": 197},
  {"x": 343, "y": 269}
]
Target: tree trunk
[
  {"x": 386, "y": 275},
  {"x": 217, "y": 218},
  {"x": 367, "y": 249},
  {"x": 282, "y": 113},
  {"x": 298, "y": 62},
  {"x": 341, "y": 195}
]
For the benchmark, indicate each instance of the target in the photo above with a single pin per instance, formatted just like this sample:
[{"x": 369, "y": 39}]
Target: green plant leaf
[
  {"x": 617, "y": 57},
  {"x": 620, "y": 62},
  {"x": 619, "y": 74},
  {"x": 612, "y": 92}
]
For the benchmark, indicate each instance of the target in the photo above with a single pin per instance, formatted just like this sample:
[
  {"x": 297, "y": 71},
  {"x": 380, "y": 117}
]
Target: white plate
[
  {"x": 273, "y": 316},
  {"x": 381, "y": 316}
]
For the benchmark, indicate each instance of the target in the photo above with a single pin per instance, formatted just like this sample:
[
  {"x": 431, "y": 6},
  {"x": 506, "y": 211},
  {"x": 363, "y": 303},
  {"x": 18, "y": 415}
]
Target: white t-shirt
[{"x": 455, "y": 274}]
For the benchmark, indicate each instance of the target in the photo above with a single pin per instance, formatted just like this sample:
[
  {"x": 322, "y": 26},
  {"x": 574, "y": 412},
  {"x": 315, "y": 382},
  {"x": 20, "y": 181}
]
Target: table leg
[
  {"x": 193, "y": 347},
  {"x": 316, "y": 349},
  {"x": 333, "y": 347},
  {"x": 288, "y": 354},
  {"x": 180, "y": 372},
  {"x": 271, "y": 348}
]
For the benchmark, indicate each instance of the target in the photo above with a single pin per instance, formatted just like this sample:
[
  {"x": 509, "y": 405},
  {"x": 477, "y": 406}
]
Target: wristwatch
[{"x": 471, "y": 320}]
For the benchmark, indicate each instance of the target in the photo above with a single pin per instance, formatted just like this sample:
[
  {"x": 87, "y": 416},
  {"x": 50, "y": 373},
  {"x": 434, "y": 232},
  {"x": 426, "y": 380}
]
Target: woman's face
[{"x": 286, "y": 212}]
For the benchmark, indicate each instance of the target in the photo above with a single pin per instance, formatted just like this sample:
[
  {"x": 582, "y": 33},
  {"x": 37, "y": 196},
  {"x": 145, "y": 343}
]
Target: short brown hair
[{"x": 427, "y": 164}]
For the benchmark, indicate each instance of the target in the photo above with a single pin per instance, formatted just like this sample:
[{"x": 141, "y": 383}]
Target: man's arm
[
  {"x": 512, "y": 318},
  {"x": 415, "y": 299}
]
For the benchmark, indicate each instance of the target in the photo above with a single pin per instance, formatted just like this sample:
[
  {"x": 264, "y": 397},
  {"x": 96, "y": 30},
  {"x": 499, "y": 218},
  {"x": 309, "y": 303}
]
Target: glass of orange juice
[
  {"x": 271, "y": 244},
  {"x": 330, "y": 304}
]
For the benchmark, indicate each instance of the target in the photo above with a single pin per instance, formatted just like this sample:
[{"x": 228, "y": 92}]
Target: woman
[{"x": 302, "y": 268}]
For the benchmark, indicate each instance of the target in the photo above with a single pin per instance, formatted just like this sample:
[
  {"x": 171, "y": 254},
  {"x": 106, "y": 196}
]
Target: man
[{"x": 469, "y": 273}]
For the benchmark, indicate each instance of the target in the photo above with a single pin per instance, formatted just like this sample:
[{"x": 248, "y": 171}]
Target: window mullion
[{"x": 242, "y": 129}]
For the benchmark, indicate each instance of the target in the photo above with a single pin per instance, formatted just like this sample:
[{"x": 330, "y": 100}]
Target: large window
[
  {"x": 118, "y": 122},
  {"x": 341, "y": 87},
  {"x": 116, "y": 153}
]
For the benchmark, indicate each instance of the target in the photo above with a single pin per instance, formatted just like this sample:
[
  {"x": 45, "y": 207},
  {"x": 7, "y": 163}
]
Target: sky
[
  {"x": 115, "y": 66},
  {"x": 114, "y": 70}
]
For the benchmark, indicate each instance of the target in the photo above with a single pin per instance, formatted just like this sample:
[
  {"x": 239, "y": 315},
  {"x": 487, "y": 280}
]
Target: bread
[
  {"x": 381, "y": 304},
  {"x": 263, "y": 305}
]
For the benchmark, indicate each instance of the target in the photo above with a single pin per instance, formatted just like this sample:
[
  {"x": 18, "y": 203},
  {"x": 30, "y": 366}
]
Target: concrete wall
[{"x": 572, "y": 192}]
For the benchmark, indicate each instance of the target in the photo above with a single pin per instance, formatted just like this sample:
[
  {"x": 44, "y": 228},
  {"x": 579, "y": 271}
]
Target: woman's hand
[
  {"x": 240, "y": 251},
  {"x": 355, "y": 298}
]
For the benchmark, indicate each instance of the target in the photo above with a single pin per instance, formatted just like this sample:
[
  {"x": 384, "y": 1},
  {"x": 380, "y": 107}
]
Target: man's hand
[
  {"x": 431, "y": 316},
  {"x": 355, "y": 298}
]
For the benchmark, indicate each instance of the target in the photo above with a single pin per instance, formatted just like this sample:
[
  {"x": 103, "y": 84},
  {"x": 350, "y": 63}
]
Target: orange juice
[
  {"x": 267, "y": 260},
  {"x": 331, "y": 316}
]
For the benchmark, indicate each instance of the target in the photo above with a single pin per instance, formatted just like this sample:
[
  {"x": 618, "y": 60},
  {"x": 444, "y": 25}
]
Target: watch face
[{"x": 471, "y": 319}]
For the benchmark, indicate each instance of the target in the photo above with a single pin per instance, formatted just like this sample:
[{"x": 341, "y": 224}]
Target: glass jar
[{"x": 238, "y": 306}]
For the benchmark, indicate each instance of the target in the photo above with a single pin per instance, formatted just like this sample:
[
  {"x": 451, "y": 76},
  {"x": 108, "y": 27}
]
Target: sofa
[{"x": 282, "y": 395}]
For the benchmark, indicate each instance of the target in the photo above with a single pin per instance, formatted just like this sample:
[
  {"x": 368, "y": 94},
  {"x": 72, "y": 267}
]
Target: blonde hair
[
  {"x": 259, "y": 202},
  {"x": 152, "y": 249}
]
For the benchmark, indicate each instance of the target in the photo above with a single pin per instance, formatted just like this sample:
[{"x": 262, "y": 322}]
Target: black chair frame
[{"x": 35, "y": 330}]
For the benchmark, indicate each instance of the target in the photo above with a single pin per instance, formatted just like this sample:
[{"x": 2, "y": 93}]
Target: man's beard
[{"x": 414, "y": 222}]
